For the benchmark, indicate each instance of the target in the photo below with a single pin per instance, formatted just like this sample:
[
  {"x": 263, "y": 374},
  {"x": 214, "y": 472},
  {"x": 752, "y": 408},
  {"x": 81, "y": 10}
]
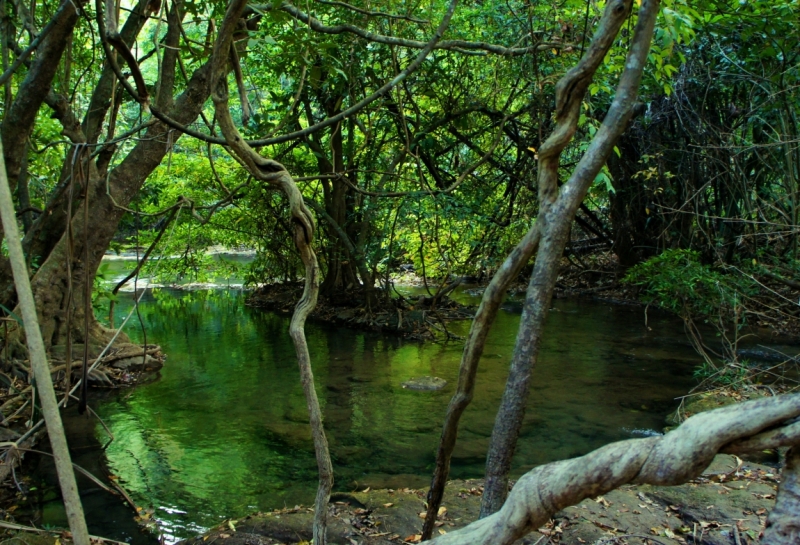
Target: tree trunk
[
  {"x": 340, "y": 261},
  {"x": 783, "y": 522},
  {"x": 21, "y": 114},
  {"x": 273, "y": 173},
  {"x": 556, "y": 214},
  {"x": 124, "y": 181},
  {"x": 46, "y": 231},
  {"x": 41, "y": 369}
]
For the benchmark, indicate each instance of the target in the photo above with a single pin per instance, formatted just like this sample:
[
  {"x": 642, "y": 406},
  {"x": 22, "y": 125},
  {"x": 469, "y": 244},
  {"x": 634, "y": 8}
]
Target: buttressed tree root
[{"x": 667, "y": 460}]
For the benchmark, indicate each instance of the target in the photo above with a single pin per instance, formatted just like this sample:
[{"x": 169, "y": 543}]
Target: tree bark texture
[
  {"x": 556, "y": 213},
  {"x": 21, "y": 114},
  {"x": 667, "y": 460},
  {"x": 123, "y": 183},
  {"x": 49, "y": 226}
]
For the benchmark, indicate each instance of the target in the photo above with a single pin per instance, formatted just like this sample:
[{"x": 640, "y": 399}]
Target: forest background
[{"x": 439, "y": 170}]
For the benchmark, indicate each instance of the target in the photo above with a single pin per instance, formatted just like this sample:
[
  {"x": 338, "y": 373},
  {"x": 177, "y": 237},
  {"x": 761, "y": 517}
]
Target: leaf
[
  {"x": 11, "y": 313},
  {"x": 414, "y": 538},
  {"x": 231, "y": 526},
  {"x": 387, "y": 505},
  {"x": 442, "y": 511}
]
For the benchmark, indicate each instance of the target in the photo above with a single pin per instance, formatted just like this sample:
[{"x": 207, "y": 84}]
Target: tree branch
[
  {"x": 374, "y": 13},
  {"x": 668, "y": 460},
  {"x": 461, "y": 45}
]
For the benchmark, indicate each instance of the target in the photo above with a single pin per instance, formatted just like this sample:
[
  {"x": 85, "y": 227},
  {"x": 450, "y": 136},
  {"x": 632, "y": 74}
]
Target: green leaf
[{"x": 11, "y": 314}]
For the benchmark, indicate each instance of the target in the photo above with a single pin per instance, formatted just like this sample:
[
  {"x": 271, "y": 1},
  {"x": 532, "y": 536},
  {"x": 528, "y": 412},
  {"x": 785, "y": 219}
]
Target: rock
[
  {"x": 346, "y": 315},
  {"x": 425, "y": 383},
  {"x": 135, "y": 363},
  {"x": 765, "y": 355}
]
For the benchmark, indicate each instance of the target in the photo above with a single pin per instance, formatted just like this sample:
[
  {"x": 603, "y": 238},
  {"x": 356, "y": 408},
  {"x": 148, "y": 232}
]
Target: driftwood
[{"x": 672, "y": 459}]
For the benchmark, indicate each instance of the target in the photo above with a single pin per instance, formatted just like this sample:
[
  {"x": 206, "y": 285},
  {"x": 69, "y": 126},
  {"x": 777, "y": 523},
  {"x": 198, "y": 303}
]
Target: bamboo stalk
[{"x": 41, "y": 369}]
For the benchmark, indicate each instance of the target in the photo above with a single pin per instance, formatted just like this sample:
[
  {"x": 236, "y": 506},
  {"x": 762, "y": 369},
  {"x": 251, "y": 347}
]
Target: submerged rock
[{"x": 425, "y": 383}]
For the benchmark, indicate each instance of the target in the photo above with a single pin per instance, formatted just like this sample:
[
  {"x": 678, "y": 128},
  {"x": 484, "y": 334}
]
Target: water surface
[{"x": 224, "y": 431}]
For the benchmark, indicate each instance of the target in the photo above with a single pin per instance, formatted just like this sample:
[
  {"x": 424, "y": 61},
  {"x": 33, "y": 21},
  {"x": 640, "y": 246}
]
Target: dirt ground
[{"x": 727, "y": 505}]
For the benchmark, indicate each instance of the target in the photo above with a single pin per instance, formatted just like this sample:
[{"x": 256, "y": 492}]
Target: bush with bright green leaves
[{"x": 677, "y": 281}]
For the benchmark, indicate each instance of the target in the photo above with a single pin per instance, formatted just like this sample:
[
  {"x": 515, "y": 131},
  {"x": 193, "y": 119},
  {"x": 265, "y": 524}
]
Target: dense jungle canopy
[{"x": 407, "y": 151}]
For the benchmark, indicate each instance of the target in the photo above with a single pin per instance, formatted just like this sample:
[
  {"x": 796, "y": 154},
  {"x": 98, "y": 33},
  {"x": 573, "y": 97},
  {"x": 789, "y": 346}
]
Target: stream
[{"x": 224, "y": 430}]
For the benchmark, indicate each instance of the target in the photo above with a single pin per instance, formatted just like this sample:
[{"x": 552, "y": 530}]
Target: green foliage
[
  {"x": 676, "y": 280},
  {"x": 102, "y": 293}
]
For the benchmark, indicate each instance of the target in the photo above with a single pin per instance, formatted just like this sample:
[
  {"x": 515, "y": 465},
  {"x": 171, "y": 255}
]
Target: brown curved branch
[
  {"x": 30, "y": 49},
  {"x": 274, "y": 174},
  {"x": 493, "y": 297},
  {"x": 20, "y": 115},
  {"x": 459, "y": 45},
  {"x": 247, "y": 109},
  {"x": 668, "y": 460},
  {"x": 556, "y": 214},
  {"x": 495, "y": 294},
  {"x": 109, "y": 34}
]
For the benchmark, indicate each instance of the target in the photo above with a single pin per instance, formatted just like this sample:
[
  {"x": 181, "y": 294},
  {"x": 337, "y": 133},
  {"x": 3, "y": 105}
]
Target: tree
[{"x": 549, "y": 234}]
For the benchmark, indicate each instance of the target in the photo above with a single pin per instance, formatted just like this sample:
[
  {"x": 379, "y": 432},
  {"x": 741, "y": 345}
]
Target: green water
[{"x": 224, "y": 431}]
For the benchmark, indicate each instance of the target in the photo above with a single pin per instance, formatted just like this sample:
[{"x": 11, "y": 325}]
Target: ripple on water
[{"x": 224, "y": 432}]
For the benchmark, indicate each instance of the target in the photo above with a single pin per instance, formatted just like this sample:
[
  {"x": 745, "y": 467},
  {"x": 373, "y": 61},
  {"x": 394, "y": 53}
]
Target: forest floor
[{"x": 727, "y": 504}]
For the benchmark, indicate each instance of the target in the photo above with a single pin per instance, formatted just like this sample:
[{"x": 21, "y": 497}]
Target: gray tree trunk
[{"x": 556, "y": 213}]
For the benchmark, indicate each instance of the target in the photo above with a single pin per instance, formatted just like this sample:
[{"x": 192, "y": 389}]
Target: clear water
[{"x": 224, "y": 431}]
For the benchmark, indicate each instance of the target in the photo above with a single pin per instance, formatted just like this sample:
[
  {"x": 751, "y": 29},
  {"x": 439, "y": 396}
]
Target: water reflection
[{"x": 224, "y": 432}]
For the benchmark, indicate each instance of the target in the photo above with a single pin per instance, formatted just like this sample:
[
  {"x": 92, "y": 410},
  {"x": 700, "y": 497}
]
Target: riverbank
[
  {"x": 422, "y": 317},
  {"x": 121, "y": 366},
  {"x": 727, "y": 504}
]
